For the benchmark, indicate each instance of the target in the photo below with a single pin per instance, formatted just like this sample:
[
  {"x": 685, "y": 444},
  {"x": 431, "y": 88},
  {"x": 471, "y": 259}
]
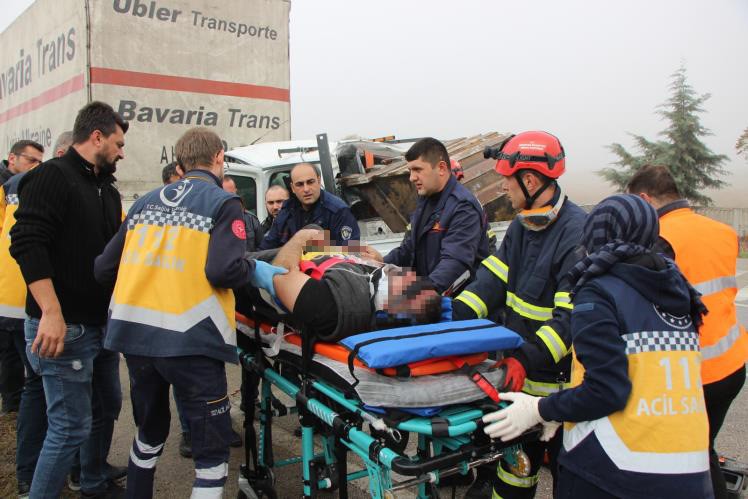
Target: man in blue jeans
[{"x": 68, "y": 211}]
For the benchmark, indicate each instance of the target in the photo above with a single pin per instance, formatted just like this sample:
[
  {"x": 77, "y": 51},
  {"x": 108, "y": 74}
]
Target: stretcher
[{"x": 356, "y": 408}]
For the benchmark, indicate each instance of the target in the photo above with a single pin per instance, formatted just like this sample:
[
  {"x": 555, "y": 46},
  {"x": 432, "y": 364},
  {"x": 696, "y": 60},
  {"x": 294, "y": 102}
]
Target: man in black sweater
[{"x": 68, "y": 211}]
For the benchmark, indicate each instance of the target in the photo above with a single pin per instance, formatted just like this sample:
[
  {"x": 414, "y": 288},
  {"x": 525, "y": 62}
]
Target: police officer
[
  {"x": 311, "y": 205},
  {"x": 524, "y": 283},
  {"x": 173, "y": 263},
  {"x": 637, "y": 427},
  {"x": 448, "y": 228}
]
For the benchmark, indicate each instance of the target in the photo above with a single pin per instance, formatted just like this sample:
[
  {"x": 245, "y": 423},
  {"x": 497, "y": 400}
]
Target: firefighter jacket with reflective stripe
[
  {"x": 12, "y": 285},
  {"x": 706, "y": 251},
  {"x": 329, "y": 212},
  {"x": 176, "y": 259},
  {"x": 525, "y": 282},
  {"x": 636, "y": 419},
  {"x": 451, "y": 240}
]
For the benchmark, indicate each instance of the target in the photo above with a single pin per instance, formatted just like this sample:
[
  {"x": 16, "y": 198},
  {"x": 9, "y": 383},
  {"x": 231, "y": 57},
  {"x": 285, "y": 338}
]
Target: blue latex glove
[{"x": 262, "y": 277}]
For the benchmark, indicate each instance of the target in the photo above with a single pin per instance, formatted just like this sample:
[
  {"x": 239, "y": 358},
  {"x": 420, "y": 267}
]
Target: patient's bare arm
[
  {"x": 289, "y": 255},
  {"x": 288, "y": 286}
]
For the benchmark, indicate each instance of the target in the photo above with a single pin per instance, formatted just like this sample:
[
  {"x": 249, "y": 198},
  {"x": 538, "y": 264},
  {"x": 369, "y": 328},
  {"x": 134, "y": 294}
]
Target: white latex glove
[{"x": 512, "y": 421}]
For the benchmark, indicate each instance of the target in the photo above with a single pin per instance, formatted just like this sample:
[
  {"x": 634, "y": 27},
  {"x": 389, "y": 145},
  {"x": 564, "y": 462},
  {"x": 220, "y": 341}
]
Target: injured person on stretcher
[{"x": 341, "y": 291}]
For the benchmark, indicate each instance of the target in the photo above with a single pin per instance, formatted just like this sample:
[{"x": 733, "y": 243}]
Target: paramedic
[
  {"x": 24, "y": 155},
  {"x": 447, "y": 235},
  {"x": 311, "y": 205},
  {"x": 525, "y": 282},
  {"x": 706, "y": 252},
  {"x": 32, "y": 418},
  {"x": 178, "y": 245},
  {"x": 636, "y": 425}
]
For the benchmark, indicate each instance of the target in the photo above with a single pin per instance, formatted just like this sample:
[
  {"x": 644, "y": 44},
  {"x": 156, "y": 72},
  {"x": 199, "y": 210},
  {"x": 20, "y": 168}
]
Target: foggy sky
[{"x": 587, "y": 71}]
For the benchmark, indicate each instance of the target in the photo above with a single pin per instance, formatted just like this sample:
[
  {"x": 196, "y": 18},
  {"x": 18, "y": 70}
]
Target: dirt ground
[{"x": 175, "y": 474}]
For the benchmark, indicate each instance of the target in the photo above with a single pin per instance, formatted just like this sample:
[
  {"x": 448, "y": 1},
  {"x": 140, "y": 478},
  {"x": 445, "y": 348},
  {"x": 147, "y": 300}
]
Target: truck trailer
[{"x": 165, "y": 65}]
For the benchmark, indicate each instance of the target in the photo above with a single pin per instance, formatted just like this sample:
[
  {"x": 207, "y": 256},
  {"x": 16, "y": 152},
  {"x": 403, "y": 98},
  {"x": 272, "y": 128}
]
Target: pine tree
[
  {"x": 693, "y": 165},
  {"x": 741, "y": 146}
]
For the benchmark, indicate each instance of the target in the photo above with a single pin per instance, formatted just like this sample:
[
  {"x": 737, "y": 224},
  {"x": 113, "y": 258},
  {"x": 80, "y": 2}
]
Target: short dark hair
[
  {"x": 543, "y": 179},
  {"x": 99, "y": 116},
  {"x": 431, "y": 150},
  {"x": 655, "y": 181},
  {"x": 21, "y": 145},
  {"x": 228, "y": 178},
  {"x": 169, "y": 171}
]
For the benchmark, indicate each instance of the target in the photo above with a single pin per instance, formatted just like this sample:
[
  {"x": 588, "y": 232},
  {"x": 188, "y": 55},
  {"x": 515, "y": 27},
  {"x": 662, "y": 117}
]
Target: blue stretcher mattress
[{"x": 404, "y": 345}]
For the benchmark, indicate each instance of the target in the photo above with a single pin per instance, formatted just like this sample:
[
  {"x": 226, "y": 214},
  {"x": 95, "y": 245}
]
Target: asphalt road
[{"x": 175, "y": 474}]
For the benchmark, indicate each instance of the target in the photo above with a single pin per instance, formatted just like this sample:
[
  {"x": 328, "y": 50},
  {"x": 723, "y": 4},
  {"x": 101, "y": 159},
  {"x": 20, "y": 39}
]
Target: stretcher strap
[
  {"x": 478, "y": 378},
  {"x": 358, "y": 347}
]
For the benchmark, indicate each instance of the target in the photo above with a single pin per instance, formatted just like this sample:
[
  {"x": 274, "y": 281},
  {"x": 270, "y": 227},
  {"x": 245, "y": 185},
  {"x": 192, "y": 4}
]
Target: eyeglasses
[{"x": 29, "y": 158}]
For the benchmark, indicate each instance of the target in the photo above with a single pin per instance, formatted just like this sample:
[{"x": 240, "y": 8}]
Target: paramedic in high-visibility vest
[
  {"x": 525, "y": 285},
  {"x": 706, "y": 251},
  {"x": 173, "y": 264},
  {"x": 635, "y": 422}
]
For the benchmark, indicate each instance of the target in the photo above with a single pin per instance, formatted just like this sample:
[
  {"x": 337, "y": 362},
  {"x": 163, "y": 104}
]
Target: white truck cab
[{"x": 256, "y": 167}]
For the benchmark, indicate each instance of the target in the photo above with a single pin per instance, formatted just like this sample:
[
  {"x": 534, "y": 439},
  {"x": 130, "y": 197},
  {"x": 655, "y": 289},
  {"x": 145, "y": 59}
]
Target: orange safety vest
[{"x": 706, "y": 252}]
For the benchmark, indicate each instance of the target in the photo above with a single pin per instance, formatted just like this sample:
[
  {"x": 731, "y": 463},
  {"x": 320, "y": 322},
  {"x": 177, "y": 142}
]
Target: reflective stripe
[
  {"x": 474, "y": 302},
  {"x": 145, "y": 449},
  {"x": 147, "y": 464},
  {"x": 499, "y": 268},
  {"x": 214, "y": 473},
  {"x": 542, "y": 388},
  {"x": 723, "y": 345},
  {"x": 628, "y": 460},
  {"x": 207, "y": 493},
  {"x": 553, "y": 341},
  {"x": 563, "y": 300},
  {"x": 528, "y": 310},
  {"x": 716, "y": 285},
  {"x": 515, "y": 481},
  {"x": 148, "y": 449},
  {"x": 12, "y": 312},
  {"x": 209, "y": 307}
]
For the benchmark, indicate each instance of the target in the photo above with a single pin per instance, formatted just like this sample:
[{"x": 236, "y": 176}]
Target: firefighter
[
  {"x": 173, "y": 265},
  {"x": 706, "y": 251},
  {"x": 524, "y": 285},
  {"x": 447, "y": 235},
  {"x": 636, "y": 423}
]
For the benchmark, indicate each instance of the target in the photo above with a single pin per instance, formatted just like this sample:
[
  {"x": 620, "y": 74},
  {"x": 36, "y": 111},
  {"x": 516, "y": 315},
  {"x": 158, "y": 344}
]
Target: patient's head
[{"x": 413, "y": 297}]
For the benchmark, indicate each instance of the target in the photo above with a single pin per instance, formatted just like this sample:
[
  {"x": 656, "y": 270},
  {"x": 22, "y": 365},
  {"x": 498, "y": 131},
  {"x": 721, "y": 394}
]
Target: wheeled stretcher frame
[{"x": 447, "y": 445}]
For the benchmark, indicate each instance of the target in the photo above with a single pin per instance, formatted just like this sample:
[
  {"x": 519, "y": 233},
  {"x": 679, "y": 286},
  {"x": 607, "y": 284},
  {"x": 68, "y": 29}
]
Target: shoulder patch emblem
[
  {"x": 346, "y": 232},
  {"x": 676, "y": 321},
  {"x": 239, "y": 230}
]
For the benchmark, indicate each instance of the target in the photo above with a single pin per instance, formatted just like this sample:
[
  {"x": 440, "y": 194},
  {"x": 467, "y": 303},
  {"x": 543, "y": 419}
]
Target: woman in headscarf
[{"x": 635, "y": 419}]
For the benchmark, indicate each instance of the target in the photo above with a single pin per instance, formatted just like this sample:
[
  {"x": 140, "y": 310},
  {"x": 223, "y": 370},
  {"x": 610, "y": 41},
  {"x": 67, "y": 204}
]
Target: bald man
[{"x": 311, "y": 205}]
